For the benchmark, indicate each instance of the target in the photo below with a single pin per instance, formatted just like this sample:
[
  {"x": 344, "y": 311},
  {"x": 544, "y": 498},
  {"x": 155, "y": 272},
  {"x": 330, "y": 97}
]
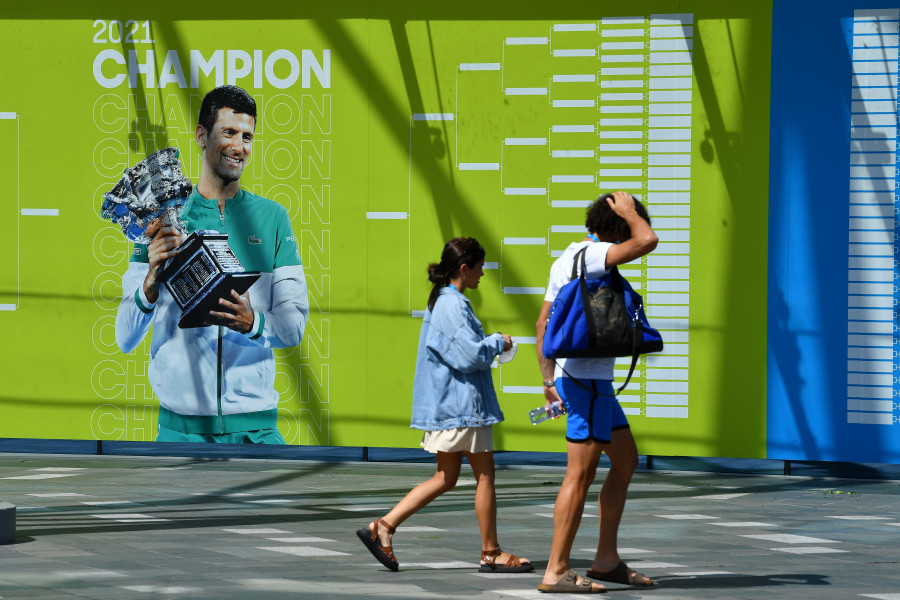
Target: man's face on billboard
[{"x": 226, "y": 149}]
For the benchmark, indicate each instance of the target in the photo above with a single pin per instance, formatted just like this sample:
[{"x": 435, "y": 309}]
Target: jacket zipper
[
  {"x": 219, "y": 380},
  {"x": 219, "y": 370}
]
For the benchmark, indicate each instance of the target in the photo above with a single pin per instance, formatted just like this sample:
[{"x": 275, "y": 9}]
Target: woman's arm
[{"x": 457, "y": 343}]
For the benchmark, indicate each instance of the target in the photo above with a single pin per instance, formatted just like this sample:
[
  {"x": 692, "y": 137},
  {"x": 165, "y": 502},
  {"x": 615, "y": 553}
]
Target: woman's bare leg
[
  {"x": 486, "y": 502},
  {"x": 444, "y": 479}
]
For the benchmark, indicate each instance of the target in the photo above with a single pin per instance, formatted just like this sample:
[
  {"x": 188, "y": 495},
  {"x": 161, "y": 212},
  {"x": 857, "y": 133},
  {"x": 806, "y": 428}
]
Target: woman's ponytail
[{"x": 439, "y": 278}]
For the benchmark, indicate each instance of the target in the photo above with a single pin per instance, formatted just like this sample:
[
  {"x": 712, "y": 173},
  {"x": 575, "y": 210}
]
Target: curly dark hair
[
  {"x": 602, "y": 221},
  {"x": 457, "y": 252},
  {"x": 225, "y": 96}
]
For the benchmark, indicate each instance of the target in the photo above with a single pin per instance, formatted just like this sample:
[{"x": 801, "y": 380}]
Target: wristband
[{"x": 549, "y": 383}]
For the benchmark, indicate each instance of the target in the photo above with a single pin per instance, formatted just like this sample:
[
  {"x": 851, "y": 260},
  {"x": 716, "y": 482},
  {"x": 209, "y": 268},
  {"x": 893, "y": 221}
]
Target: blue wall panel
[{"x": 832, "y": 314}]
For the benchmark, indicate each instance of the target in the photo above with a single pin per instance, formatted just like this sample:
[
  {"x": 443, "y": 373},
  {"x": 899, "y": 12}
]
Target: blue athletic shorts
[{"x": 590, "y": 416}]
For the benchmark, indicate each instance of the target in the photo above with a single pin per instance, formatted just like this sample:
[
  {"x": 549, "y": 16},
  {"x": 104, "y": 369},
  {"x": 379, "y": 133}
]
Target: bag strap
[
  {"x": 616, "y": 277},
  {"x": 578, "y": 254},
  {"x": 638, "y": 332},
  {"x": 586, "y": 297}
]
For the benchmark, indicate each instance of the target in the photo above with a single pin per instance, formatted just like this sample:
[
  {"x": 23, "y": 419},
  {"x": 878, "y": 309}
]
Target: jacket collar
[
  {"x": 452, "y": 290},
  {"x": 197, "y": 198}
]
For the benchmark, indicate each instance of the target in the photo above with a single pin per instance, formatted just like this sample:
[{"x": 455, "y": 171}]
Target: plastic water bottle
[{"x": 546, "y": 412}]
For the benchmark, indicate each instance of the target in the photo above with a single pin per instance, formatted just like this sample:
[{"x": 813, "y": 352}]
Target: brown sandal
[
  {"x": 384, "y": 554},
  {"x": 570, "y": 584},
  {"x": 513, "y": 565}
]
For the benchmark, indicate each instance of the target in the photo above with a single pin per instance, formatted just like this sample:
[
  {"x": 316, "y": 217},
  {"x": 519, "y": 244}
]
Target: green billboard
[{"x": 384, "y": 131}]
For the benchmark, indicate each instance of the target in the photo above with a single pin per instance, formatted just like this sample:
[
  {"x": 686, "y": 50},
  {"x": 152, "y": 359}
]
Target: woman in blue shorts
[{"x": 618, "y": 232}]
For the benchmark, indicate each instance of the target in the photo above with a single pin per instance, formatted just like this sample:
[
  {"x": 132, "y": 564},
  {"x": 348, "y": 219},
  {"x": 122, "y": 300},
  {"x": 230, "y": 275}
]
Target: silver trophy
[{"x": 150, "y": 196}]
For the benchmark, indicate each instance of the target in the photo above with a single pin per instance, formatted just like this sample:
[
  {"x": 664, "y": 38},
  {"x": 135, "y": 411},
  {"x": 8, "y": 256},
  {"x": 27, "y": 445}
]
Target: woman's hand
[{"x": 508, "y": 342}]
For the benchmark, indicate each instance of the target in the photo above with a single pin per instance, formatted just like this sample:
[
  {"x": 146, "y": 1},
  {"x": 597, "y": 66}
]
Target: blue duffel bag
[{"x": 602, "y": 317}]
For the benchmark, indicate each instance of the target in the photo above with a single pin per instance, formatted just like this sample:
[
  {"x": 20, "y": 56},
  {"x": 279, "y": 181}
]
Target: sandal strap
[
  {"x": 491, "y": 553},
  {"x": 388, "y": 550},
  {"x": 489, "y": 557},
  {"x": 572, "y": 578},
  {"x": 390, "y": 528},
  {"x": 513, "y": 561}
]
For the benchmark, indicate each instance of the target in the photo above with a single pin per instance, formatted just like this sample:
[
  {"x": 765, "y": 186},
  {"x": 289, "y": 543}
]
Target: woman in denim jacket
[{"x": 455, "y": 404}]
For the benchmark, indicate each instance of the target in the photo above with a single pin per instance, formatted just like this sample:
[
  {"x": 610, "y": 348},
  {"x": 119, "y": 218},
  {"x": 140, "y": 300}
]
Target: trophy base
[
  {"x": 203, "y": 270},
  {"x": 196, "y": 314}
]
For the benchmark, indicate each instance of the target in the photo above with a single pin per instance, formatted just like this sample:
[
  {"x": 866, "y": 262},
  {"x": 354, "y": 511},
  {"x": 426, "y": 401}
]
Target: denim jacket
[{"x": 453, "y": 385}]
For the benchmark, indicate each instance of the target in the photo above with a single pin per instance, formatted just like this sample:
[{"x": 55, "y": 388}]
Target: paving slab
[{"x": 130, "y": 527}]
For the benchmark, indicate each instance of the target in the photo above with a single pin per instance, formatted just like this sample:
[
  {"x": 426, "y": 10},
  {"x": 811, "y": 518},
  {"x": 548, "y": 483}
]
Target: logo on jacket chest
[{"x": 254, "y": 240}]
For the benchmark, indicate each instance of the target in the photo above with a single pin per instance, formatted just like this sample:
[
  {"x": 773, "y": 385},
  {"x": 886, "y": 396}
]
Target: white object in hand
[{"x": 507, "y": 356}]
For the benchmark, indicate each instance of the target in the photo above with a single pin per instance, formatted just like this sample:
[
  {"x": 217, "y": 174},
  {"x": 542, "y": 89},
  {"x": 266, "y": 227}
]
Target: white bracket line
[
  {"x": 398, "y": 216},
  {"x": 433, "y": 116},
  {"x": 478, "y": 166},
  {"x": 12, "y": 116}
]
